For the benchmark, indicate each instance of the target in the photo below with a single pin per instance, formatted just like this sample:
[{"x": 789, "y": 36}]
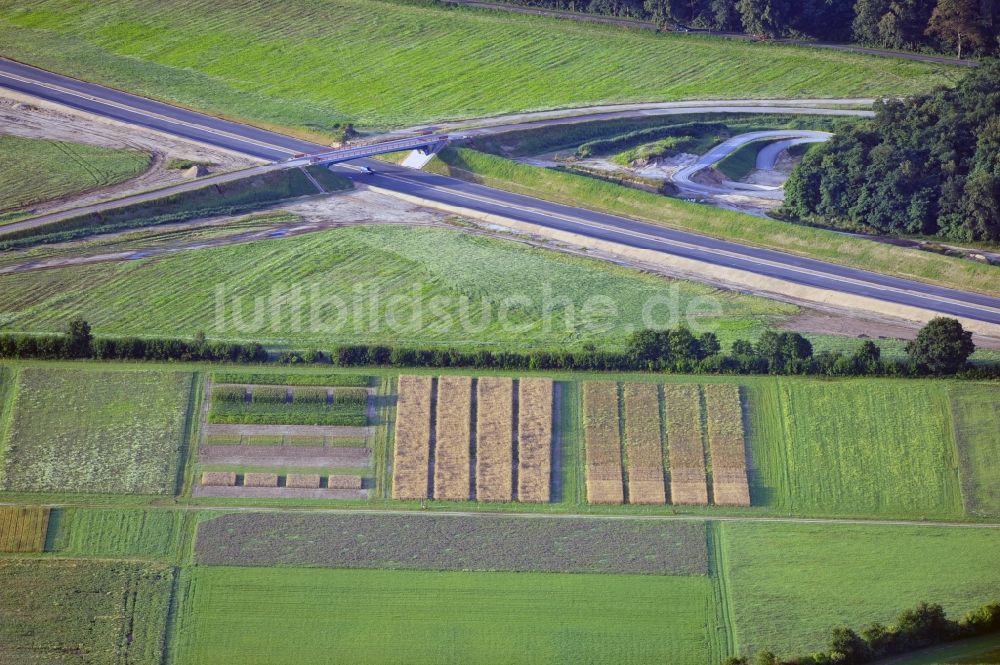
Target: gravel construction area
[
  {"x": 440, "y": 542},
  {"x": 276, "y": 493},
  {"x": 285, "y": 456}
]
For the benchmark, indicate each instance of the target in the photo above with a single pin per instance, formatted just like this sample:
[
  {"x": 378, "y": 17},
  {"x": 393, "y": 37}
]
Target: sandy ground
[{"x": 30, "y": 117}]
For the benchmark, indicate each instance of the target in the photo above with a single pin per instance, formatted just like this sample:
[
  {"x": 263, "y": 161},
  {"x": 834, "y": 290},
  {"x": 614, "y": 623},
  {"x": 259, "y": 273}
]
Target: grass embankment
[
  {"x": 344, "y": 275},
  {"x": 229, "y": 198},
  {"x": 419, "y": 62},
  {"x": 604, "y": 196},
  {"x": 739, "y": 163},
  {"x": 35, "y": 170},
  {"x": 276, "y": 616},
  {"x": 793, "y": 583}
]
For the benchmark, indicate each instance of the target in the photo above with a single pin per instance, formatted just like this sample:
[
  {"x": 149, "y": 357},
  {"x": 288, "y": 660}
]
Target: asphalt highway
[{"x": 271, "y": 145}]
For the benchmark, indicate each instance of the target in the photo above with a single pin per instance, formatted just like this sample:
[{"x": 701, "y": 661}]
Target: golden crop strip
[
  {"x": 534, "y": 440},
  {"x": 643, "y": 446},
  {"x": 494, "y": 439},
  {"x": 23, "y": 529},
  {"x": 452, "y": 448},
  {"x": 603, "y": 443},
  {"x": 726, "y": 443},
  {"x": 682, "y": 404},
  {"x": 413, "y": 438}
]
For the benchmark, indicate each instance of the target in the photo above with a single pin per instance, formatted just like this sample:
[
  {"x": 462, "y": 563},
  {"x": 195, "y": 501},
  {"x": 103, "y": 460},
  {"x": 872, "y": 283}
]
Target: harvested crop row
[
  {"x": 682, "y": 404},
  {"x": 22, "y": 529},
  {"x": 494, "y": 439},
  {"x": 643, "y": 445},
  {"x": 452, "y": 449},
  {"x": 603, "y": 443},
  {"x": 726, "y": 443},
  {"x": 534, "y": 440},
  {"x": 413, "y": 438}
]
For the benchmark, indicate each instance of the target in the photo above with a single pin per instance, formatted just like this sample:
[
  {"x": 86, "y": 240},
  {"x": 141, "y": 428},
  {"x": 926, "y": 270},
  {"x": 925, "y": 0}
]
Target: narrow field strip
[
  {"x": 534, "y": 440},
  {"x": 494, "y": 439},
  {"x": 23, "y": 529},
  {"x": 726, "y": 443},
  {"x": 413, "y": 438},
  {"x": 602, "y": 441},
  {"x": 443, "y": 542},
  {"x": 452, "y": 450},
  {"x": 642, "y": 442},
  {"x": 684, "y": 444}
]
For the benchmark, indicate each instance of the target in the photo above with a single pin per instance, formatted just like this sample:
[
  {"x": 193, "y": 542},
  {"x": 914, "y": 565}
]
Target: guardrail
[{"x": 346, "y": 154}]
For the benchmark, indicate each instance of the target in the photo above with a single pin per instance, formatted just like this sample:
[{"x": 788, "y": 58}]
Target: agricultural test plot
[
  {"x": 290, "y": 616},
  {"x": 643, "y": 444},
  {"x": 83, "y": 611},
  {"x": 411, "y": 458},
  {"x": 115, "y": 532},
  {"x": 686, "y": 451},
  {"x": 602, "y": 441},
  {"x": 452, "y": 450},
  {"x": 118, "y": 432},
  {"x": 23, "y": 528},
  {"x": 865, "y": 447},
  {"x": 726, "y": 443},
  {"x": 445, "y": 542},
  {"x": 494, "y": 439},
  {"x": 280, "y": 405},
  {"x": 534, "y": 440}
]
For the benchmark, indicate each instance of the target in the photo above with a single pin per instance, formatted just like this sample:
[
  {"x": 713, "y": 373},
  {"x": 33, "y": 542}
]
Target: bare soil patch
[
  {"x": 293, "y": 456},
  {"x": 438, "y": 542},
  {"x": 277, "y": 493}
]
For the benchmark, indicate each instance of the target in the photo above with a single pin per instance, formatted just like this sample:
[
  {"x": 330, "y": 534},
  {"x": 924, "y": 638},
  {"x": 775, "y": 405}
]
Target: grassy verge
[
  {"x": 36, "y": 170},
  {"x": 815, "y": 243},
  {"x": 419, "y": 61},
  {"x": 230, "y": 198}
]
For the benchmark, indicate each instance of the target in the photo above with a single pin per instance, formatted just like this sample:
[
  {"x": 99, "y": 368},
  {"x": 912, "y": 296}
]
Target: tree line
[
  {"x": 950, "y": 26},
  {"x": 942, "y": 348},
  {"x": 924, "y": 626},
  {"x": 927, "y": 165}
]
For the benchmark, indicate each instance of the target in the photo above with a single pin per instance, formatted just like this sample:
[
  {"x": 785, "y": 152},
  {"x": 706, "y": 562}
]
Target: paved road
[
  {"x": 262, "y": 143},
  {"x": 683, "y": 177}
]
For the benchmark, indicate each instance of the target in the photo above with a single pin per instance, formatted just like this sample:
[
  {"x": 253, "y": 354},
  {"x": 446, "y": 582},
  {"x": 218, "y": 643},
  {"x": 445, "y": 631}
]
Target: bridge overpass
[{"x": 424, "y": 147}]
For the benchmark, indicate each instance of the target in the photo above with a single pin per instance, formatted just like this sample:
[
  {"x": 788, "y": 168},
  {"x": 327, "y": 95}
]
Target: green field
[
  {"x": 792, "y": 584},
  {"x": 417, "y": 61},
  {"x": 976, "y": 421},
  {"x": 114, "y": 533},
  {"x": 425, "y": 286},
  {"x": 97, "y": 613},
  {"x": 860, "y": 447},
  {"x": 978, "y": 651},
  {"x": 274, "y": 616},
  {"x": 58, "y": 168},
  {"x": 595, "y": 194},
  {"x": 96, "y": 431}
]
